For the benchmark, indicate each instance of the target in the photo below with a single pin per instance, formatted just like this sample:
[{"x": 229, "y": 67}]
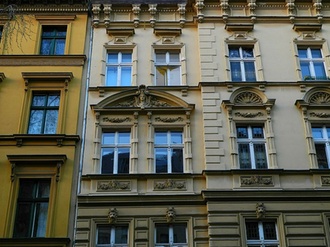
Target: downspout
[{"x": 83, "y": 133}]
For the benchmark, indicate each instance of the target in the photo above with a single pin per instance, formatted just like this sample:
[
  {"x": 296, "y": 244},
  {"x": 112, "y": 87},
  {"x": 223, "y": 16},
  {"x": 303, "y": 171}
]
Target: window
[
  {"x": 311, "y": 64},
  {"x": 1, "y": 31},
  {"x": 169, "y": 151},
  {"x": 171, "y": 235},
  {"x": 119, "y": 69},
  {"x": 53, "y": 40},
  {"x": 112, "y": 236},
  {"x": 44, "y": 113},
  {"x": 242, "y": 65},
  {"x": 168, "y": 68},
  {"x": 251, "y": 147},
  {"x": 115, "y": 152},
  {"x": 261, "y": 234},
  {"x": 321, "y": 136},
  {"x": 32, "y": 208}
]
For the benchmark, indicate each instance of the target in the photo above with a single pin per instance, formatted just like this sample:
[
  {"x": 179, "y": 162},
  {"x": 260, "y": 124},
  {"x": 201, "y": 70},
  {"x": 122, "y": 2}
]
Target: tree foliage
[{"x": 16, "y": 28}]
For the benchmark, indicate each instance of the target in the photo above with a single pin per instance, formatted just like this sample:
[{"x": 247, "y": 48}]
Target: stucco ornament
[
  {"x": 170, "y": 215},
  {"x": 113, "y": 215},
  {"x": 260, "y": 210}
]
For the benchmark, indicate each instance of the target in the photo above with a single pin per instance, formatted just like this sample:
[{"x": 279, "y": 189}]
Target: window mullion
[{"x": 112, "y": 236}]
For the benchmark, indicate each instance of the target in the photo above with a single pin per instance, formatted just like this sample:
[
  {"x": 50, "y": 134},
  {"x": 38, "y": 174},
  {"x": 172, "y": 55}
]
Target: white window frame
[
  {"x": 119, "y": 66},
  {"x": 310, "y": 60},
  {"x": 168, "y": 63},
  {"x": 116, "y": 145},
  {"x": 261, "y": 242},
  {"x": 325, "y": 140},
  {"x": 242, "y": 61},
  {"x": 169, "y": 146},
  {"x": 171, "y": 237},
  {"x": 251, "y": 141},
  {"x": 112, "y": 237}
]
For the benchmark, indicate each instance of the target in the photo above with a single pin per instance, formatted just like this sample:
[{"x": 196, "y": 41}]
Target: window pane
[
  {"x": 161, "y": 160},
  {"x": 107, "y": 160},
  {"x": 260, "y": 156},
  {"x": 112, "y": 75},
  {"x": 35, "y": 122},
  {"x": 39, "y": 100},
  {"x": 124, "y": 137},
  {"x": 236, "y": 74},
  {"x": 234, "y": 52},
  {"x": 321, "y": 156},
  {"x": 161, "y": 77},
  {"x": 51, "y": 122},
  {"x": 174, "y": 57},
  {"x": 257, "y": 132},
  {"x": 319, "y": 71},
  {"x": 176, "y": 137},
  {"x": 244, "y": 156},
  {"x": 126, "y": 57},
  {"x": 162, "y": 234},
  {"x": 53, "y": 100},
  {"x": 177, "y": 160},
  {"x": 26, "y": 188},
  {"x": 269, "y": 231},
  {"x": 103, "y": 235},
  {"x": 317, "y": 133},
  {"x": 247, "y": 52},
  {"x": 175, "y": 77},
  {"x": 113, "y": 58},
  {"x": 59, "y": 47},
  {"x": 302, "y": 53},
  {"x": 305, "y": 71},
  {"x": 242, "y": 132},
  {"x": 161, "y": 58},
  {"x": 252, "y": 231},
  {"x": 121, "y": 235},
  {"x": 250, "y": 74},
  {"x": 45, "y": 46},
  {"x": 41, "y": 220},
  {"x": 43, "y": 190},
  {"x": 316, "y": 53},
  {"x": 108, "y": 138},
  {"x": 179, "y": 233},
  {"x": 126, "y": 76},
  {"x": 123, "y": 160},
  {"x": 161, "y": 137},
  {"x": 23, "y": 220}
]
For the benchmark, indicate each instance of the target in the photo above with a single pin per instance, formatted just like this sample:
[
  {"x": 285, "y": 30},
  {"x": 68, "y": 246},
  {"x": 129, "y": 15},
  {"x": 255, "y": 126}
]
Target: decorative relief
[
  {"x": 170, "y": 185},
  {"x": 113, "y": 185},
  {"x": 116, "y": 120},
  {"x": 257, "y": 181},
  {"x": 260, "y": 210},
  {"x": 320, "y": 98},
  {"x": 170, "y": 215},
  {"x": 325, "y": 180},
  {"x": 319, "y": 114},
  {"x": 249, "y": 114},
  {"x": 248, "y": 98},
  {"x": 112, "y": 215},
  {"x": 143, "y": 99},
  {"x": 168, "y": 119}
]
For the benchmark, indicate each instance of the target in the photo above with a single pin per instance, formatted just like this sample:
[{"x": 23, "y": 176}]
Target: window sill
[
  {"x": 36, "y": 242},
  {"x": 42, "y": 60}
]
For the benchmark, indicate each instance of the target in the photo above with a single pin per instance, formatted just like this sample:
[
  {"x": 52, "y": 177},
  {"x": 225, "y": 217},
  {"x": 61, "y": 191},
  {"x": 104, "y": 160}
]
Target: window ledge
[
  {"x": 307, "y": 27},
  {"x": 39, "y": 140},
  {"x": 39, "y": 60},
  {"x": 36, "y": 242}
]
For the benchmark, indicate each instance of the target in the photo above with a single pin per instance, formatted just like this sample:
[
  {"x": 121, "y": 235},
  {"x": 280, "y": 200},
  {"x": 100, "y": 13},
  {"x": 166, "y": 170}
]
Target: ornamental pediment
[{"x": 142, "y": 98}]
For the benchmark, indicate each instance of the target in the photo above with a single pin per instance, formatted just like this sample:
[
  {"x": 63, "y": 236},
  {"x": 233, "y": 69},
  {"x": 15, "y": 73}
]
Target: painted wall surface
[{"x": 53, "y": 156}]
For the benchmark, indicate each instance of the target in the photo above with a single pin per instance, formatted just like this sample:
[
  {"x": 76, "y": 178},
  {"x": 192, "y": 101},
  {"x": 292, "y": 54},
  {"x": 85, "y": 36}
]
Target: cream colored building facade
[{"x": 207, "y": 125}]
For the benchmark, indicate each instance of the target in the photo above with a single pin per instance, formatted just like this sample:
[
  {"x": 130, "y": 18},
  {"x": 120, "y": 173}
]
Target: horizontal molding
[{"x": 38, "y": 60}]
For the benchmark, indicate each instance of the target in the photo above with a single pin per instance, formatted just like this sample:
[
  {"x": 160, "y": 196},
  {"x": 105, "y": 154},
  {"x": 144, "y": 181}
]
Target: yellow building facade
[
  {"x": 42, "y": 66},
  {"x": 207, "y": 125}
]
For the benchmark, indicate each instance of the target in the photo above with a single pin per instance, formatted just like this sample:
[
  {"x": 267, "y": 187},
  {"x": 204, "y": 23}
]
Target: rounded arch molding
[{"x": 142, "y": 98}]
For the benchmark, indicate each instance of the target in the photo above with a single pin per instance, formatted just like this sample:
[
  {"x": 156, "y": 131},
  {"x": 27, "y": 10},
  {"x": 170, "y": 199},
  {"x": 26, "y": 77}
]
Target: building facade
[
  {"x": 42, "y": 66},
  {"x": 207, "y": 125}
]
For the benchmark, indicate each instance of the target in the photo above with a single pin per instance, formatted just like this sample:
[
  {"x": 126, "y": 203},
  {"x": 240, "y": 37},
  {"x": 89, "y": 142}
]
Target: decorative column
[
  {"x": 232, "y": 139},
  {"x": 270, "y": 140},
  {"x": 188, "y": 146},
  {"x": 97, "y": 141},
  {"x": 134, "y": 144},
  {"x": 150, "y": 145}
]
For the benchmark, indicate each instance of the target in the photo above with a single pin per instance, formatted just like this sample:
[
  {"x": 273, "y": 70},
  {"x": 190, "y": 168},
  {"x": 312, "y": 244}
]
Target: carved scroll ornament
[
  {"x": 257, "y": 181},
  {"x": 170, "y": 185},
  {"x": 113, "y": 185}
]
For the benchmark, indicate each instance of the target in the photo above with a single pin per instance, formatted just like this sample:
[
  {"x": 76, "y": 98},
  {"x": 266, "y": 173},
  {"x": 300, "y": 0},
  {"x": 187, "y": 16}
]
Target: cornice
[
  {"x": 36, "y": 242},
  {"x": 38, "y": 140},
  {"x": 37, "y": 60}
]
